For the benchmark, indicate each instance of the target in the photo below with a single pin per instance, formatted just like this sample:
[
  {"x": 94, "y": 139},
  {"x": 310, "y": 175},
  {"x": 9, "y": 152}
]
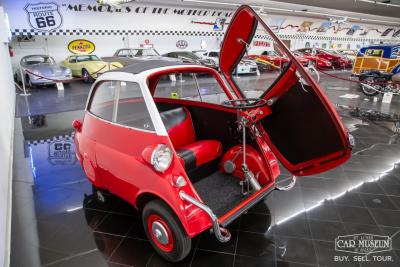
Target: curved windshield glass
[
  {"x": 188, "y": 55},
  {"x": 143, "y": 52},
  {"x": 32, "y": 60},
  {"x": 87, "y": 58}
]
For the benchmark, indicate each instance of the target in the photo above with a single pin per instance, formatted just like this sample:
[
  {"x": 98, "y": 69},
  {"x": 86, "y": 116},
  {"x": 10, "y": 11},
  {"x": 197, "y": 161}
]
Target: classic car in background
[
  {"x": 337, "y": 61},
  {"x": 190, "y": 57},
  {"x": 34, "y": 69},
  {"x": 272, "y": 58},
  {"x": 246, "y": 66},
  {"x": 348, "y": 53},
  {"x": 186, "y": 164},
  {"x": 89, "y": 67},
  {"x": 274, "y": 61},
  {"x": 314, "y": 60},
  {"x": 378, "y": 67},
  {"x": 348, "y": 61},
  {"x": 382, "y": 58},
  {"x": 211, "y": 55},
  {"x": 128, "y": 56}
]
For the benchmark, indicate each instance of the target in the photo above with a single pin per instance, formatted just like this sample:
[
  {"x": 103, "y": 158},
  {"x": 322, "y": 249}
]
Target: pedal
[{"x": 289, "y": 186}]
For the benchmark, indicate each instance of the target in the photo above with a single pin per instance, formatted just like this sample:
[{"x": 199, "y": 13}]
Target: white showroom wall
[
  {"x": 162, "y": 26},
  {"x": 7, "y": 107}
]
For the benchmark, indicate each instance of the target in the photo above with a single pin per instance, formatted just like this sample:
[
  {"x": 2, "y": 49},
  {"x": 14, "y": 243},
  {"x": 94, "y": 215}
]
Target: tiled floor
[{"x": 58, "y": 223}]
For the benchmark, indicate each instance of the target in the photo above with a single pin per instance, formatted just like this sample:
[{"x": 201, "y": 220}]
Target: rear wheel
[
  {"x": 86, "y": 77},
  {"x": 367, "y": 90},
  {"x": 165, "y": 231}
]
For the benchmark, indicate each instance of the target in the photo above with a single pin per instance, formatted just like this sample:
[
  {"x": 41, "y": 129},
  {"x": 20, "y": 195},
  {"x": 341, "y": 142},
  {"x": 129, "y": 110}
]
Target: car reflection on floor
[{"x": 67, "y": 226}]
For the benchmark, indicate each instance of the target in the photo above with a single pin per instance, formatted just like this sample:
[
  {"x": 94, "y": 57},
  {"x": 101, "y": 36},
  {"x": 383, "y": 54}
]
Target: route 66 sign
[{"x": 44, "y": 16}]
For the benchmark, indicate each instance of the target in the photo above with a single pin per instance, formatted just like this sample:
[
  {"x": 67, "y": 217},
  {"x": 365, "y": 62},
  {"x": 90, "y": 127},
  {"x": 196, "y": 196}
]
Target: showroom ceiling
[
  {"x": 367, "y": 7},
  {"x": 387, "y": 10}
]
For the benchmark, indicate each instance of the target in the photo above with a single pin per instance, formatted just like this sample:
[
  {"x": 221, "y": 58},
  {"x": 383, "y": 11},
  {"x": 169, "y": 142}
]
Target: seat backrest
[{"x": 179, "y": 125}]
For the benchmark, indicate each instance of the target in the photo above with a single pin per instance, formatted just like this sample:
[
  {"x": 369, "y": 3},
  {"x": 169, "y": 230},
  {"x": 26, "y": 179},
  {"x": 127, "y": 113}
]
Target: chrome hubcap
[{"x": 160, "y": 233}]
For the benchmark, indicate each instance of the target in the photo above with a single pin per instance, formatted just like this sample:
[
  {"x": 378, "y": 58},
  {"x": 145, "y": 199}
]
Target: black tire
[
  {"x": 86, "y": 77},
  {"x": 364, "y": 89},
  {"x": 28, "y": 82},
  {"x": 101, "y": 195},
  {"x": 181, "y": 244}
]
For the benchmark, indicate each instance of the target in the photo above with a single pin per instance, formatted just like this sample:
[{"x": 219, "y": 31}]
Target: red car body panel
[{"x": 234, "y": 47}]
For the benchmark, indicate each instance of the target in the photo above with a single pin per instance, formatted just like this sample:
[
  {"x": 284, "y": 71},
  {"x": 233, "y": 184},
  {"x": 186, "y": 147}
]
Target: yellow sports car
[{"x": 89, "y": 67}]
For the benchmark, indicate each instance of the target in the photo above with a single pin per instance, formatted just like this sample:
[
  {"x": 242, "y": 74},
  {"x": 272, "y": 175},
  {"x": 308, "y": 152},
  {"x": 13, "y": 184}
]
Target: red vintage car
[
  {"x": 276, "y": 61},
  {"x": 314, "y": 60},
  {"x": 194, "y": 162},
  {"x": 319, "y": 54}
]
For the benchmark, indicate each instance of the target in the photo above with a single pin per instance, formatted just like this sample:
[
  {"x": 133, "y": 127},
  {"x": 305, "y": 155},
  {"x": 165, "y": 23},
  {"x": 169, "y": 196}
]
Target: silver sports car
[{"x": 35, "y": 69}]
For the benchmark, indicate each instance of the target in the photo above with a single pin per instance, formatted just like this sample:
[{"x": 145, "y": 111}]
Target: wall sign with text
[
  {"x": 81, "y": 46},
  {"x": 44, "y": 17}
]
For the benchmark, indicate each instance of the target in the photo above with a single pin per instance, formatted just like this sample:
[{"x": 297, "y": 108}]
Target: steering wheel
[{"x": 245, "y": 103}]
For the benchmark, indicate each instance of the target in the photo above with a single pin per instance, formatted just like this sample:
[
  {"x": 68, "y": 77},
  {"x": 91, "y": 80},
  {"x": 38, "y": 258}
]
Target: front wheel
[
  {"x": 86, "y": 77},
  {"x": 366, "y": 88},
  {"x": 165, "y": 231}
]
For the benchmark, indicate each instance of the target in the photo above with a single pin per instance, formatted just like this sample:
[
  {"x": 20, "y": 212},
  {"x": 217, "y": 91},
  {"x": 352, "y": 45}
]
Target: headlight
[
  {"x": 68, "y": 71},
  {"x": 161, "y": 158},
  {"x": 37, "y": 74}
]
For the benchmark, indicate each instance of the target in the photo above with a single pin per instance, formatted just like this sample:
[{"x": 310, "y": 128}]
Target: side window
[
  {"x": 102, "y": 103},
  {"x": 202, "y": 87},
  {"x": 72, "y": 60},
  {"x": 374, "y": 52},
  {"x": 131, "y": 108},
  {"x": 122, "y": 53},
  {"x": 123, "y": 103}
]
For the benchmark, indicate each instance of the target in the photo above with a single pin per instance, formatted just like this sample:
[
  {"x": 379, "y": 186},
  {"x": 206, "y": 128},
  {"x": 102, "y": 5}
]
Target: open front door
[{"x": 304, "y": 131}]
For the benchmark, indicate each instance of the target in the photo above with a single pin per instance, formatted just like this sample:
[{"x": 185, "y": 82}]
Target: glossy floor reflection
[
  {"x": 59, "y": 223},
  {"x": 73, "y": 97}
]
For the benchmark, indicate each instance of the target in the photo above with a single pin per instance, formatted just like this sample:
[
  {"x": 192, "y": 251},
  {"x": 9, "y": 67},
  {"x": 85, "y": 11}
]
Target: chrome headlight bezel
[{"x": 161, "y": 158}]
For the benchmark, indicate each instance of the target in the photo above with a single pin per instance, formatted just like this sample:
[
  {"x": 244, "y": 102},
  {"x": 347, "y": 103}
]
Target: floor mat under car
[{"x": 221, "y": 192}]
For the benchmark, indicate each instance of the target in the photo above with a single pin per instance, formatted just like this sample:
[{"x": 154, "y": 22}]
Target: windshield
[
  {"x": 33, "y": 60},
  {"x": 144, "y": 52},
  {"x": 87, "y": 58},
  {"x": 188, "y": 55}
]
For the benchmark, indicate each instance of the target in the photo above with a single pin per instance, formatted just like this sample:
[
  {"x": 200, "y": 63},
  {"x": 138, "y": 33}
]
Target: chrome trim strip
[
  {"x": 120, "y": 125},
  {"x": 222, "y": 234}
]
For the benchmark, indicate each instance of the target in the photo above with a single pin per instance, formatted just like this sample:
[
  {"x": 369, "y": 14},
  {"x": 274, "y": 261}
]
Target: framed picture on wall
[
  {"x": 387, "y": 31},
  {"x": 396, "y": 33}
]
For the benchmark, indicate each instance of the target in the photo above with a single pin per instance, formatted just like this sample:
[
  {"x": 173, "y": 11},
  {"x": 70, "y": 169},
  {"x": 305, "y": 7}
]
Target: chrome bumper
[{"x": 222, "y": 234}]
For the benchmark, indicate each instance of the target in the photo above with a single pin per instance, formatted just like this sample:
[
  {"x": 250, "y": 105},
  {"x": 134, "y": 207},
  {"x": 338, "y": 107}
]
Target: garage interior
[{"x": 50, "y": 215}]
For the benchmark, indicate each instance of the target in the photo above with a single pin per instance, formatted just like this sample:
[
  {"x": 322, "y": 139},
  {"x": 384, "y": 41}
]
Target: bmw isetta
[{"x": 191, "y": 161}]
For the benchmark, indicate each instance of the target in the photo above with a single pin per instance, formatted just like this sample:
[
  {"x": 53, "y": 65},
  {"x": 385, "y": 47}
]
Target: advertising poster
[
  {"x": 387, "y": 31},
  {"x": 276, "y": 24},
  {"x": 305, "y": 26},
  {"x": 396, "y": 33},
  {"x": 353, "y": 29},
  {"x": 325, "y": 26}
]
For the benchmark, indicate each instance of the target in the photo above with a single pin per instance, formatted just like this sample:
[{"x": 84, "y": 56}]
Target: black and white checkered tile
[
  {"x": 17, "y": 32},
  {"x": 67, "y": 137},
  {"x": 61, "y": 32}
]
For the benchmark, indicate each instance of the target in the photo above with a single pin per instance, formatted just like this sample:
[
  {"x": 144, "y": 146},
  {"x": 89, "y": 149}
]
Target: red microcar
[{"x": 194, "y": 161}]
